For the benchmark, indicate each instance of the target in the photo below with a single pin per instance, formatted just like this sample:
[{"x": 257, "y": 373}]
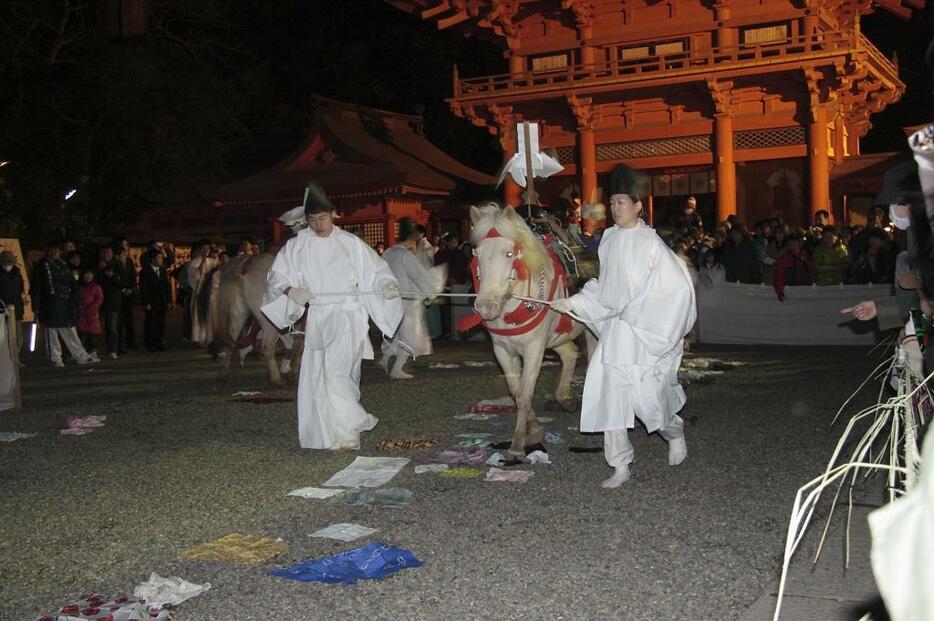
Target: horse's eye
[{"x": 509, "y": 254}]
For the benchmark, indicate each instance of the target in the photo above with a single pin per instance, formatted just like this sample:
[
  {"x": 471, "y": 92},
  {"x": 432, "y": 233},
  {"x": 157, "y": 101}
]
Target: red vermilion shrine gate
[{"x": 745, "y": 104}]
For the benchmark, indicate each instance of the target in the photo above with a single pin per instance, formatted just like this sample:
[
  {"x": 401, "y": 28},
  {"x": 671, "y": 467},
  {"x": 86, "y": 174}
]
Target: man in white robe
[
  {"x": 641, "y": 307},
  {"x": 326, "y": 259},
  {"x": 412, "y": 338}
]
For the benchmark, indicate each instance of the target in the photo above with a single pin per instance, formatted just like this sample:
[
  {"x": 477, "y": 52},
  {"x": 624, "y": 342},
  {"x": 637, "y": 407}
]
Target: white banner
[{"x": 752, "y": 315}]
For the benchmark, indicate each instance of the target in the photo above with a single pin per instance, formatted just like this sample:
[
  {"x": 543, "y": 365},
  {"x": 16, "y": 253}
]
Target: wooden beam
[
  {"x": 455, "y": 19},
  {"x": 435, "y": 10},
  {"x": 895, "y": 7}
]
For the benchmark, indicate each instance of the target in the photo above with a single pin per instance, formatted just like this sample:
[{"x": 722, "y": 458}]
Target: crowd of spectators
[
  {"x": 778, "y": 254},
  {"x": 87, "y": 297}
]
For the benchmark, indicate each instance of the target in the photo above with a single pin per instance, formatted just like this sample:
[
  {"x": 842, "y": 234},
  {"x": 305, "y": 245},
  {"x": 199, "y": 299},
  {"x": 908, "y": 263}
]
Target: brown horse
[
  {"x": 236, "y": 297},
  {"x": 510, "y": 259}
]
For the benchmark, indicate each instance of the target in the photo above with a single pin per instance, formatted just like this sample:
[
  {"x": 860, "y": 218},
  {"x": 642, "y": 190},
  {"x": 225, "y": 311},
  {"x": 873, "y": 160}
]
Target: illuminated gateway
[{"x": 745, "y": 104}]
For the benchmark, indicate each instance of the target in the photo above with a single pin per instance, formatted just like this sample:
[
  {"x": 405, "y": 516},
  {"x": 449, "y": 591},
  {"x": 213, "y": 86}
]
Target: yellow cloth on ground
[
  {"x": 461, "y": 473},
  {"x": 237, "y": 548}
]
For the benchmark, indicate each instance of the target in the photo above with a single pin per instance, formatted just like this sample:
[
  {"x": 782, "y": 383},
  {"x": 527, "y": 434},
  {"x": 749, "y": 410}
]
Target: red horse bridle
[{"x": 522, "y": 315}]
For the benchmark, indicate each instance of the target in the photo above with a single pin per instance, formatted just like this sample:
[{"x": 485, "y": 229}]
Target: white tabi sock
[
  {"x": 677, "y": 451},
  {"x": 619, "y": 477}
]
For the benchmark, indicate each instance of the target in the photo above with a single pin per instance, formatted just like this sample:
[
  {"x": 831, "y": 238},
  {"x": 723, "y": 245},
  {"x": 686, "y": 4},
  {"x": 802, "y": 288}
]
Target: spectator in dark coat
[
  {"x": 114, "y": 283},
  {"x": 12, "y": 286},
  {"x": 739, "y": 258},
  {"x": 877, "y": 263},
  {"x": 12, "y": 289},
  {"x": 128, "y": 336},
  {"x": 53, "y": 300},
  {"x": 793, "y": 268},
  {"x": 155, "y": 295}
]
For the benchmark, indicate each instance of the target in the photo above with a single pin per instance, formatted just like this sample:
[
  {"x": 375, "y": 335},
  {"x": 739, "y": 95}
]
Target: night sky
[{"x": 207, "y": 92}]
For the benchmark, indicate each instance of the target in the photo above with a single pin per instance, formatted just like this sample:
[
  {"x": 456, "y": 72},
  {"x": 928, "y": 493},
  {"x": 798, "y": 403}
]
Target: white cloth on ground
[
  {"x": 314, "y": 492},
  {"x": 336, "y": 329},
  {"x": 159, "y": 591},
  {"x": 344, "y": 532},
  {"x": 368, "y": 472},
  {"x": 412, "y": 337}
]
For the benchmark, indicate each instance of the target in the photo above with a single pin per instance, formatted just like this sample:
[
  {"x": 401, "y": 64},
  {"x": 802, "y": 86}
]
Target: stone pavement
[{"x": 827, "y": 590}]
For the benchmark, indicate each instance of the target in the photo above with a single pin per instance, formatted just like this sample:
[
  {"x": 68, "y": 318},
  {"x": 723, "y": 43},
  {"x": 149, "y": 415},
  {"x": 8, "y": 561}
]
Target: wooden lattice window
[
  {"x": 764, "y": 35},
  {"x": 635, "y": 53},
  {"x": 669, "y": 48},
  {"x": 553, "y": 62},
  {"x": 765, "y": 138}
]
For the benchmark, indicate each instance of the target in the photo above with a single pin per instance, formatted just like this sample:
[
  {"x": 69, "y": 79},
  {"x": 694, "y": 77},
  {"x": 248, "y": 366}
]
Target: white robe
[
  {"x": 413, "y": 338},
  {"x": 336, "y": 329},
  {"x": 633, "y": 372}
]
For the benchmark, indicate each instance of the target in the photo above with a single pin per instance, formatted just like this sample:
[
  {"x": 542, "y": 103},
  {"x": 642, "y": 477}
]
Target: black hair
[{"x": 406, "y": 230}]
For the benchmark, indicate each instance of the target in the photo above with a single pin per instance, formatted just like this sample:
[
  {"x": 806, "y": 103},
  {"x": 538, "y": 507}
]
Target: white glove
[
  {"x": 562, "y": 305},
  {"x": 300, "y": 296},
  {"x": 391, "y": 291}
]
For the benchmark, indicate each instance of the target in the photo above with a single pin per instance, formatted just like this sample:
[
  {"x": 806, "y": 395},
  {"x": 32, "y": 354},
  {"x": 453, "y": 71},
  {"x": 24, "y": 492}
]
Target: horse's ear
[
  {"x": 475, "y": 214},
  {"x": 510, "y": 213}
]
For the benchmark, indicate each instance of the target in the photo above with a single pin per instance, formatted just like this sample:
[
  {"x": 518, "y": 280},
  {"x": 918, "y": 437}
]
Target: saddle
[{"x": 580, "y": 263}]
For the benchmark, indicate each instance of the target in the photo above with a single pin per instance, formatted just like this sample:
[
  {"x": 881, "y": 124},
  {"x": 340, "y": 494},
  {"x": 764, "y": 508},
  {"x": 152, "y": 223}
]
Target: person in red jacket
[
  {"x": 90, "y": 298},
  {"x": 794, "y": 268}
]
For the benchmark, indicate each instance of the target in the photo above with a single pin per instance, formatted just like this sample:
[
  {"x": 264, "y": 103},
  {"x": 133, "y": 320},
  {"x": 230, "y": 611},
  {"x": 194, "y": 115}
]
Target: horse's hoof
[
  {"x": 568, "y": 405},
  {"x": 516, "y": 454},
  {"x": 535, "y": 435}
]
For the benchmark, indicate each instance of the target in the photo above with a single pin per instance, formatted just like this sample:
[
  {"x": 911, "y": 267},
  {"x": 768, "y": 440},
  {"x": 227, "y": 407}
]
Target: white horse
[
  {"x": 237, "y": 299},
  {"x": 510, "y": 259}
]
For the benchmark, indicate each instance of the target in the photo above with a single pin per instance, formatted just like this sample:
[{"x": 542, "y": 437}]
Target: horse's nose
[{"x": 488, "y": 309}]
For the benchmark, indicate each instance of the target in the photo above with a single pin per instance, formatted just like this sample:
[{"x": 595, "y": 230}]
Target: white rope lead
[
  {"x": 402, "y": 294},
  {"x": 574, "y": 316}
]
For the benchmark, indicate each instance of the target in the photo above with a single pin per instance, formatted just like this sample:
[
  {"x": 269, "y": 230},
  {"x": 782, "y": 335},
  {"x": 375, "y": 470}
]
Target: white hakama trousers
[
  {"x": 329, "y": 412},
  {"x": 622, "y": 394},
  {"x": 618, "y": 451}
]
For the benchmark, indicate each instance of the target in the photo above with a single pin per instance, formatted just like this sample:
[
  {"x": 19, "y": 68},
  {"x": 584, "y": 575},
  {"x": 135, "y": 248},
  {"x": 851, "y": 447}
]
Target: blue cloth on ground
[{"x": 370, "y": 562}]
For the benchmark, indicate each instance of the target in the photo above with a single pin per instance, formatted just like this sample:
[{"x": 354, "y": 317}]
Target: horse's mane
[{"x": 513, "y": 227}]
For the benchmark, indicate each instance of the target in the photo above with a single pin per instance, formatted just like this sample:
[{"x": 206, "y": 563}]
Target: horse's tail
[{"x": 229, "y": 289}]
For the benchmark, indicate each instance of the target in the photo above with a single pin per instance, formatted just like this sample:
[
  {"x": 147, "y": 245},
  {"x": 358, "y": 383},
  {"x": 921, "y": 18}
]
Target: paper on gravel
[
  {"x": 430, "y": 468},
  {"x": 344, "y": 532},
  {"x": 368, "y": 472},
  {"x": 159, "y": 591},
  {"x": 13, "y": 436},
  {"x": 512, "y": 476},
  {"x": 314, "y": 492}
]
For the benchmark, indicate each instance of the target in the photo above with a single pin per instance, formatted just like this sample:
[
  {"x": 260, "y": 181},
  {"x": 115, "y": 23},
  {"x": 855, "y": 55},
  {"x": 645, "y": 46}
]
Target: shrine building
[
  {"x": 747, "y": 105},
  {"x": 375, "y": 166}
]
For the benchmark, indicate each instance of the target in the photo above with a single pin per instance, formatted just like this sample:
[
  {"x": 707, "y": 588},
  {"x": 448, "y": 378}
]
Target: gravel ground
[{"x": 178, "y": 464}]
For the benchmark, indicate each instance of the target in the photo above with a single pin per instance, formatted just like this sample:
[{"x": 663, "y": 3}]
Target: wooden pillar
[
  {"x": 726, "y": 37},
  {"x": 852, "y": 141},
  {"x": 839, "y": 143},
  {"x": 587, "y": 164},
  {"x": 649, "y": 204},
  {"x": 512, "y": 191},
  {"x": 516, "y": 67},
  {"x": 818, "y": 164},
  {"x": 726, "y": 166},
  {"x": 587, "y": 57}
]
